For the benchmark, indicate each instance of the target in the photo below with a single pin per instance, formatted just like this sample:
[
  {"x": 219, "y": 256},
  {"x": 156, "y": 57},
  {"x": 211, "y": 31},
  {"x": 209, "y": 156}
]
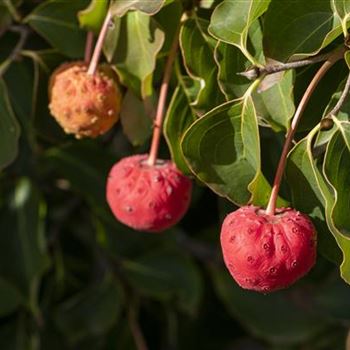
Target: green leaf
[
  {"x": 21, "y": 226},
  {"x": 139, "y": 41},
  {"x": 91, "y": 312},
  {"x": 9, "y": 129},
  {"x": 231, "y": 20},
  {"x": 230, "y": 61},
  {"x": 197, "y": 49},
  {"x": 137, "y": 125},
  {"x": 347, "y": 58},
  {"x": 112, "y": 38},
  {"x": 93, "y": 16},
  {"x": 297, "y": 29},
  {"x": 165, "y": 275},
  {"x": 326, "y": 187},
  {"x": 343, "y": 114},
  {"x": 336, "y": 165},
  {"x": 338, "y": 154},
  {"x": 169, "y": 18},
  {"x": 222, "y": 149},
  {"x": 177, "y": 120},
  {"x": 56, "y": 21},
  {"x": 279, "y": 102},
  {"x": 303, "y": 178},
  {"x": 278, "y": 317},
  {"x": 120, "y": 7},
  {"x": 341, "y": 9}
]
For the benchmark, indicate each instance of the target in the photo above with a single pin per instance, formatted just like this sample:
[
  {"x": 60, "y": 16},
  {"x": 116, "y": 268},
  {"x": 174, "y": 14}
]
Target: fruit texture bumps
[
  {"x": 268, "y": 252},
  {"x": 145, "y": 197},
  {"x": 84, "y": 105}
]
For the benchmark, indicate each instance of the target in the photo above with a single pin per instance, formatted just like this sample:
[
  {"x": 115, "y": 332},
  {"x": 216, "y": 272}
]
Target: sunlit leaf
[
  {"x": 92, "y": 17},
  {"x": 222, "y": 148},
  {"x": 139, "y": 41},
  {"x": 197, "y": 49},
  {"x": 231, "y": 20},
  {"x": 297, "y": 29},
  {"x": 120, "y": 7}
]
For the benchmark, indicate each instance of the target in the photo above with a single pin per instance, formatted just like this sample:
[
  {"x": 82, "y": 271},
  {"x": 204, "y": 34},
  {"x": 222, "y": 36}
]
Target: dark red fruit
[
  {"x": 268, "y": 252},
  {"x": 147, "y": 198}
]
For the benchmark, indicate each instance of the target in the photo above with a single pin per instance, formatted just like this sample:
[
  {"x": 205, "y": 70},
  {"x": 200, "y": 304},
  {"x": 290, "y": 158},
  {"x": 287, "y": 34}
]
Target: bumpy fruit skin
[
  {"x": 147, "y": 198},
  {"x": 84, "y": 105},
  {"x": 265, "y": 252}
]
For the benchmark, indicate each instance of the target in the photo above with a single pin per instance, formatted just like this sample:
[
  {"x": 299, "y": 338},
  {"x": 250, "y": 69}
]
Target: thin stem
[
  {"x": 23, "y": 32},
  {"x": 13, "y": 11},
  {"x": 135, "y": 329},
  {"x": 99, "y": 44},
  {"x": 341, "y": 100},
  {"x": 256, "y": 72},
  {"x": 88, "y": 46},
  {"x": 271, "y": 207},
  {"x": 158, "y": 120}
]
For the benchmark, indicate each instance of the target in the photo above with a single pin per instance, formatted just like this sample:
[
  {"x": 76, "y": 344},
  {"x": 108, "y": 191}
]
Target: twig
[
  {"x": 13, "y": 11},
  {"x": 23, "y": 32},
  {"x": 256, "y": 72},
  {"x": 99, "y": 44},
  {"x": 337, "y": 55},
  {"x": 88, "y": 46},
  {"x": 341, "y": 100},
  {"x": 162, "y": 100}
]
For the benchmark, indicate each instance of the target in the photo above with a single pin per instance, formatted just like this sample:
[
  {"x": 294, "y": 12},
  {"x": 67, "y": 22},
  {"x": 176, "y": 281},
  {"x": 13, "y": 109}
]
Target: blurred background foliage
[{"x": 71, "y": 276}]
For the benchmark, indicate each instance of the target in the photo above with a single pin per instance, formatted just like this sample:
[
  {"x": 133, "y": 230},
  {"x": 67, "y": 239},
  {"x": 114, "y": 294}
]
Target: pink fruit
[
  {"x": 147, "y": 198},
  {"x": 268, "y": 252}
]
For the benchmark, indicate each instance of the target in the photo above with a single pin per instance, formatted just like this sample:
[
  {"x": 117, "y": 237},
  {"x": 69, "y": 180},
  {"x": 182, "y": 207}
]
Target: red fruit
[
  {"x": 268, "y": 252},
  {"x": 84, "y": 105},
  {"x": 147, "y": 198}
]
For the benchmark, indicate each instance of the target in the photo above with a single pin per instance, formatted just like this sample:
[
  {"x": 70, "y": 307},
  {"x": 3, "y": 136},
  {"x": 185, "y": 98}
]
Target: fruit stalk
[
  {"x": 88, "y": 46},
  {"x": 23, "y": 32},
  {"x": 99, "y": 44},
  {"x": 158, "y": 120},
  {"x": 337, "y": 55}
]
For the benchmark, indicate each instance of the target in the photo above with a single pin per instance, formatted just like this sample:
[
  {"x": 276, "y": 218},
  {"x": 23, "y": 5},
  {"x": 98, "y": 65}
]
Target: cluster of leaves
[{"x": 71, "y": 277}]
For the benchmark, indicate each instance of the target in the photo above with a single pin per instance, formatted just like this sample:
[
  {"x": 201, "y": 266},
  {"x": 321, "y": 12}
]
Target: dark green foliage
[{"x": 71, "y": 276}]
